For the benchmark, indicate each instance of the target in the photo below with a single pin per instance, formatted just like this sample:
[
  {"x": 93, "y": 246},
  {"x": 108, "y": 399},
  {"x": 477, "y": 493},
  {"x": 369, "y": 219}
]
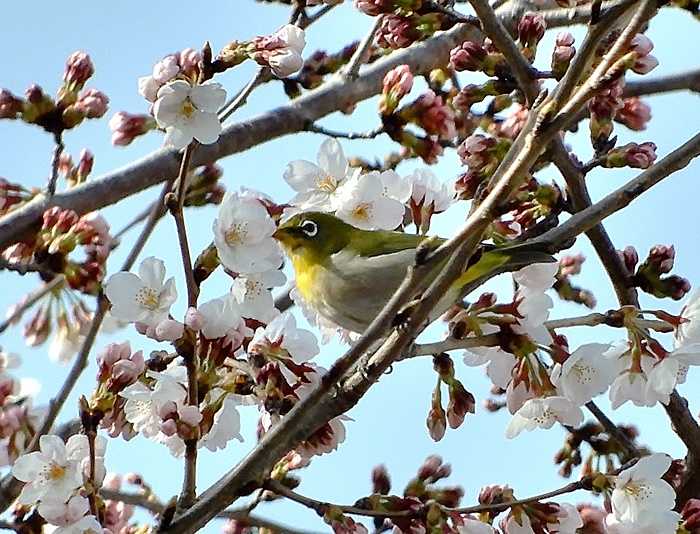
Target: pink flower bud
[
  {"x": 194, "y": 319},
  {"x": 126, "y": 127},
  {"x": 430, "y": 467},
  {"x": 398, "y": 82},
  {"x": 79, "y": 68},
  {"x": 593, "y": 519},
  {"x": 169, "y": 427},
  {"x": 571, "y": 264},
  {"x": 691, "y": 515},
  {"x": 190, "y": 415},
  {"x": 515, "y": 122},
  {"x": 10, "y": 105},
  {"x": 396, "y": 32},
  {"x": 468, "y": 56},
  {"x": 148, "y": 88},
  {"x": 531, "y": 29},
  {"x": 641, "y": 44},
  {"x": 645, "y": 65},
  {"x": 169, "y": 330},
  {"x": 641, "y": 156},
  {"x": 634, "y": 113},
  {"x": 281, "y": 51},
  {"x": 661, "y": 258},
  {"x": 92, "y": 103},
  {"x": 166, "y": 69},
  {"x": 436, "y": 422},
  {"x": 381, "y": 483},
  {"x": 375, "y": 7},
  {"x": 85, "y": 163},
  {"x": 190, "y": 60},
  {"x": 434, "y": 116}
]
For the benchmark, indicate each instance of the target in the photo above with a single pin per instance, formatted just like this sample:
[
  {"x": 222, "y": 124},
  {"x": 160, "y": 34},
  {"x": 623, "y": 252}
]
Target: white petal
[
  {"x": 205, "y": 127},
  {"x": 332, "y": 159},
  {"x": 209, "y": 96}
]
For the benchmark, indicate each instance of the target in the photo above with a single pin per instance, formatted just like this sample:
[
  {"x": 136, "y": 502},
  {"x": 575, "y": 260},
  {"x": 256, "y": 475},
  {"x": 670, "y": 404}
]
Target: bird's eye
[{"x": 310, "y": 228}]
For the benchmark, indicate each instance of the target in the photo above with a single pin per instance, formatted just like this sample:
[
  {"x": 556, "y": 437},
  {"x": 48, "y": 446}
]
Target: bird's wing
[{"x": 374, "y": 243}]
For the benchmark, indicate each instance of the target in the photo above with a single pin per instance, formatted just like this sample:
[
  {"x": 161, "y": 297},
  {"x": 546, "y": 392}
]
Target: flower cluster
[
  {"x": 373, "y": 200},
  {"x": 54, "y": 476},
  {"x": 72, "y": 105}
]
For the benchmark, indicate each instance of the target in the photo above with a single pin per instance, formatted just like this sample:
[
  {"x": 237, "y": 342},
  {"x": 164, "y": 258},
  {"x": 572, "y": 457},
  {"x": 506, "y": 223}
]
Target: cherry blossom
[
  {"x": 362, "y": 203},
  {"x": 640, "y": 490},
  {"x": 226, "y": 426},
  {"x": 500, "y": 363},
  {"x": 585, "y": 374},
  {"x": 688, "y": 330},
  {"x": 252, "y": 291},
  {"x": 631, "y": 382},
  {"x": 71, "y": 517},
  {"x": 316, "y": 184},
  {"x": 187, "y": 112},
  {"x": 243, "y": 235},
  {"x": 428, "y": 196},
  {"x": 518, "y": 525},
  {"x": 648, "y": 523},
  {"x": 50, "y": 474},
  {"x": 220, "y": 316},
  {"x": 474, "y": 526},
  {"x": 143, "y": 298},
  {"x": 543, "y": 413},
  {"x": 672, "y": 370},
  {"x": 568, "y": 520},
  {"x": 281, "y": 340}
]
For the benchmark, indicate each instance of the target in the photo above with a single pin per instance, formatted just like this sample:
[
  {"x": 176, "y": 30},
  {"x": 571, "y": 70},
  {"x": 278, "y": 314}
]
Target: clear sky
[{"x": 125, "y": 39}]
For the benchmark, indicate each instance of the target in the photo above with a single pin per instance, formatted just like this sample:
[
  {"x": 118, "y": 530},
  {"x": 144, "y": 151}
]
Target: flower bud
[
  {"x": 436, "y": 422},
  {"x": 434, "y": 116},
  {"x": 564, "y": 51},
  {"x": 691, "y": 515},
  {"x": 85, "y": 164},
  {"x": 10, "y": 105},
  {"x": 79, "y": 69},
  {"x": 166, "y": 69},
  {"x": 397, "y": 84},
  {"x": 377, "y": 7},
  {"x": 190, "y": 60},
  {"x": 642, "y": 46},
  {"x": 190, "y": 415},
  {"x": 194, "y": 319},
  {"x": 632, "y": 155},
  {"x": 92, "y": 103},
  {"x": 169, "y": 427},
  {"x": 37, "y": 104},
  {"x": 126, "y": 127},
  {"x": 169, "y": 330},
  {"x": 468, "y": 56},
  {"x": 460, "y": 404},
  {"x": 37, "y": 330},
  {"x": 634, "y": 113},
  {"x": 396, "y": 32},
  {"x": 629, "y": 257},
  {"x": 531, "y": 29},
  {"x": 381, "y": 483}
]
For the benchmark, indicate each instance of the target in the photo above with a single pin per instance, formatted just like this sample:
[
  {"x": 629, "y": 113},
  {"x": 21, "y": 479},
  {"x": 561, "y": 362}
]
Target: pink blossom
[
  {"x": 280, "y": 51},
  {"x": 396, "y": 32},
  {"x": 531, "y": 29},
  {"x": 166, "y": 69},
  {"x": 645, "y": 64},
  {"x": 512, "y": 126},
  {"x": 641, "y": 156},
  {"x": 118, "y": 367},
  {"x": 397, "y": 83},
  {"x": 190, "y": 60}
]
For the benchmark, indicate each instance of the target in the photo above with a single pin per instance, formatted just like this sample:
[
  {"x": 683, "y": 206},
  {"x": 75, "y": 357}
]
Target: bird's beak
[{"x": 279, "y": 234}]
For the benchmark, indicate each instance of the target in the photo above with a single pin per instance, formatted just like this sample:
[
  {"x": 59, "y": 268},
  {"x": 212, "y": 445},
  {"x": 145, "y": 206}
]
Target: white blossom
[
  {"x": 253, "y": 293},
  {"x": 688, "y": 332},
  {"x": 393, "y": 185},
  {"x": 86, "y": 525},
  {"x": 543, "y": 413},
  {"x": 648, "y": 523},
  {"x": 282, "y": 340},
  {"x": 585, "y": 374},
  {"x": 316, "y": 184},
  {"x": 474, "y": 526},
  {"x": 429, "y": 195},
  {"x": 631, "y": 382},
  {"x": 361, "y": 203},
  {"x": 640, "y": 489},
  {"x": 143, "y": 298},
  {"x": 282, "y": 50},
  {"x": 220, "y": 316},
  {"x": 226, "y": 426},
  {"x": 568, "y": 520},
  {"x": 65, "y": 344},
  {"x": 52, "y": 473},
  {"x": 536, "y": 278},
  {"x": 143, "y": 403},
  {"x": 187, "y": 112},
  {"x": 672, "y": 370},
  {"x": 64, "y": 513},
  {"x": 243, "y": 235}
]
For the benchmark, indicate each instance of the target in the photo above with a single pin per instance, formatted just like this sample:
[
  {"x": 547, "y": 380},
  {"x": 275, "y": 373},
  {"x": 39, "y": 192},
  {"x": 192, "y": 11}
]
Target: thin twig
[
  {"x": 370, "y": 134},
  {"x": 55, "y": 163},
  {"x": 352, "y": 69},
  {"x": 241, "y": 98}
]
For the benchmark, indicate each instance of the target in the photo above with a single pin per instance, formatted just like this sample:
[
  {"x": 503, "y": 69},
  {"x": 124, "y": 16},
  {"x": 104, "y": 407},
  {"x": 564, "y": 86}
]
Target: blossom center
[
  {"x": 545, "y": 417},
  {"x": 187, "y": 109},
  {"x": 363, "y": 211},
  {"x": 55, "y": 471},
  {"x": 584, "y": 373},
  {"x": 148, "y": 298},
  {"x": 638, "y": 491},
  {"x": 253, "y": 287},
  {"x": 236, "y": 234},
  {"x": 327, "y": 184}
]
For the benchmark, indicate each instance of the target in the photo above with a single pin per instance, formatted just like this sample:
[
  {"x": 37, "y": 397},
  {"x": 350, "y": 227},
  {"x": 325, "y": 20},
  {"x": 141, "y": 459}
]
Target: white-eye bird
[{"x": 347, "y": 275}]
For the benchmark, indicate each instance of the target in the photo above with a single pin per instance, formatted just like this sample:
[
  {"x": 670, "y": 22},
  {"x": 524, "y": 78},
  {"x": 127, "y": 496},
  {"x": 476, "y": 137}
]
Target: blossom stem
[
  {"x": 242, "y": 96},
  {"x": 320, "y": 507},
  {"x": 91, "y": 435},
  {"x": 31, "y": 299},
  {"x": 55, "y": 163}
]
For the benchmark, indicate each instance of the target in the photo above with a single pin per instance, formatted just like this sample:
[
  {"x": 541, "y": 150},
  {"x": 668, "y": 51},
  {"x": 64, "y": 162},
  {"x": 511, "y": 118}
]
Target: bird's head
[{"x": 313, "y": 234}]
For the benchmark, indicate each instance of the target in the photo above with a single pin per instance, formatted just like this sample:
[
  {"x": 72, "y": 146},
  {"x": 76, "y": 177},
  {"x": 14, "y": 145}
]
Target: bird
[{"x": 347, "y": 274}]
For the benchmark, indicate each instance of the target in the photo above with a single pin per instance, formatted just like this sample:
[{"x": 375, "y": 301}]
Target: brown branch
[
  {"x": 150, "y": 503},
  {"x": 163, "y": 164}
]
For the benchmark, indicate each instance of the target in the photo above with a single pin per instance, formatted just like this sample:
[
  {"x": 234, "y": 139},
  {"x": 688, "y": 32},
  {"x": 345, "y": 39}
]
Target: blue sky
[{"x": 126, "y": 38}]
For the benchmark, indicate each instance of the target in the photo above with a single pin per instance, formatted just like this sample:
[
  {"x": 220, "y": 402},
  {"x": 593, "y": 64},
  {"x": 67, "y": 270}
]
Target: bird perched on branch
[{"x": 347, "y": 275}]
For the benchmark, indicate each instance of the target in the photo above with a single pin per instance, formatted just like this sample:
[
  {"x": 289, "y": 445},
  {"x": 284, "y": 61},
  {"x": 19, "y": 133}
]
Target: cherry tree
[{"x": 471, "y": 81}]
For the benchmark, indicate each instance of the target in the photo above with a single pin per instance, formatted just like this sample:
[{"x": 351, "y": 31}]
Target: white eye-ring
[{"x": 310, "y": 228}]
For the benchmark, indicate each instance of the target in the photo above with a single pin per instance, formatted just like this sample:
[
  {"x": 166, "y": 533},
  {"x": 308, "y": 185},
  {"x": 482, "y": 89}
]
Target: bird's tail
[{"x": 499, "y": 260}]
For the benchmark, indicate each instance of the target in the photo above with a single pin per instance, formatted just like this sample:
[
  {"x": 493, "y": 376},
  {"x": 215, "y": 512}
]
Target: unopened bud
[
  {"x": 381, "y": 483},
  {"x": 468, "y": 56},
  {"x": 10, "y": 105},
  {"x": 531, "y": 29}
]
